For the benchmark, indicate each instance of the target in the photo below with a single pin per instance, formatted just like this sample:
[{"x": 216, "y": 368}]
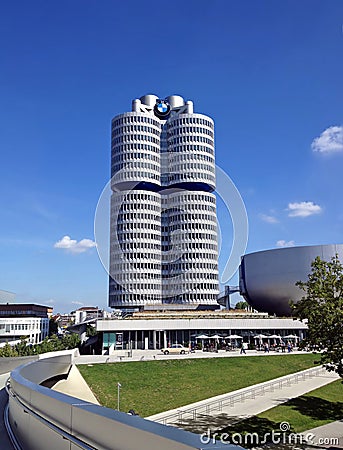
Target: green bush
[{"x": 49, "y": 344}]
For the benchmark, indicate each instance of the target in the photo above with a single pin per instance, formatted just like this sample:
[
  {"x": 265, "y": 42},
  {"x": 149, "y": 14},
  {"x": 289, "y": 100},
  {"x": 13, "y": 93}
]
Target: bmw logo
[{"x": 162, "y": 109}]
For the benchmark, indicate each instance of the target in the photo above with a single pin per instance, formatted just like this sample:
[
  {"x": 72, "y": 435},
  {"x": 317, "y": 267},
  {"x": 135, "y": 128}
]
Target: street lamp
[{"x": 118, "y": 397}]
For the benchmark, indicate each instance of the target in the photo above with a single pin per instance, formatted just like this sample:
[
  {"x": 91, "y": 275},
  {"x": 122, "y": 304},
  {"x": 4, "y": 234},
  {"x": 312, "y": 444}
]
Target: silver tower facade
[{"x": 163, "y": 240}]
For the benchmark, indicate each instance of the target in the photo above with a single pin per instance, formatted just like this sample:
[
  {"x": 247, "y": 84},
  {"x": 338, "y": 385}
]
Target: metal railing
[{"x": 217, "y": 405}]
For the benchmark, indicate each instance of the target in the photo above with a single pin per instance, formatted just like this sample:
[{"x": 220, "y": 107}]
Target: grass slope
[
  {"x": 150, "y": 387},
  {"x": 311, "y": 410}
]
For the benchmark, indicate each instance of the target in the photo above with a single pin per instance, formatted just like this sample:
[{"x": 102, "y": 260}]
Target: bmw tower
[{"x": 163, "y": 237}]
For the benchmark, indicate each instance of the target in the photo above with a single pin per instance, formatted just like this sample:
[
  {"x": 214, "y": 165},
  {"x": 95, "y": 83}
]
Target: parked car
[{"x": 175, "y": 349}]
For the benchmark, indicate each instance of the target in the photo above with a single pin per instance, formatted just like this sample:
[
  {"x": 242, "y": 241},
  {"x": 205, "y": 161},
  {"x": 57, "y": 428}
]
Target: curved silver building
[
  {"x": 267, "y": 278},
  {"x": 163, "y": 245}
]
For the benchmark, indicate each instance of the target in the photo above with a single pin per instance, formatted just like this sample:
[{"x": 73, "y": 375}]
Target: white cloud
[
  {"x": 283, "y": 243},
  {"x": 303, "y": 209},
  {"x": 330, "y": 141},
  {"x": 268, "y": 219},
  {"x": 77, "y": 303},
  {"x": 72, "y": 246}
]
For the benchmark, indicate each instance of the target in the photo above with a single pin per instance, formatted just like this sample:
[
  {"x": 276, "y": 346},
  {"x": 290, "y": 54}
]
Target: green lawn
[
  {"x": 150, "y": 387},
  {"x": 311, "y": 410},
  {"x": 303, "y": 413}
]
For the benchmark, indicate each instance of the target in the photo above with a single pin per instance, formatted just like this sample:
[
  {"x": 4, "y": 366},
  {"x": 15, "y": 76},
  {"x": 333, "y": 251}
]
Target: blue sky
[{"x": 269, "y": 73}]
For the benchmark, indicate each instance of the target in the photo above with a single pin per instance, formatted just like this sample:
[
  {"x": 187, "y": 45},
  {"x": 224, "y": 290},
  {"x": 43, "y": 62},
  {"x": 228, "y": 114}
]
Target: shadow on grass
[
  {"x": 317, "y": 408},
  {"x": 248, "y": 432},
  {"x": 254, "y": 424},
  {"x": 239, "y": 426},
  {"x": 223, "y": 423},
  {"x": 204, "y": 422}
]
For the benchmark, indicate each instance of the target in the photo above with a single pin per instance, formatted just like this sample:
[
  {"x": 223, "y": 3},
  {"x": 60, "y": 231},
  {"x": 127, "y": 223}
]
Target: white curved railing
[{"x": 41, "y": 418}]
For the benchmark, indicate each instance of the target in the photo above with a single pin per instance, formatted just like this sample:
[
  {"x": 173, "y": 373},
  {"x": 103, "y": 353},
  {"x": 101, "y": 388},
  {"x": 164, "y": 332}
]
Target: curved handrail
[{"x": 37, "y": 413}]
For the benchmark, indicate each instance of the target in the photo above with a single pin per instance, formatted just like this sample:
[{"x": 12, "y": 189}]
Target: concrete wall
[
  {"x": 9, "y": 364},
  {"x": 39, "y": 417}
]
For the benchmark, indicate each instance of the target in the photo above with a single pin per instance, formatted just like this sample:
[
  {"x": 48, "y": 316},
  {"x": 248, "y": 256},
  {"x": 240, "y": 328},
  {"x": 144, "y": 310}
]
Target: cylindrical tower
[
  {"x": 191, "y": 151},
  {"x": 191, "y": 261},
  {"x": 135, "y": 150},
  {"x": 163, "y": 212},
  {"x": 135, "y": 248},
  {"x": 135, "y": 243}
]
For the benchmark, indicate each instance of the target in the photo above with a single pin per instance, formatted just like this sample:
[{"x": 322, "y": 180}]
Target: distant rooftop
[
  {"x": 179, "y": 307},
  {"x": 23, "y": 310},
  {"x": 197, "y": 314},
  {"x": 88, "y": 308}
]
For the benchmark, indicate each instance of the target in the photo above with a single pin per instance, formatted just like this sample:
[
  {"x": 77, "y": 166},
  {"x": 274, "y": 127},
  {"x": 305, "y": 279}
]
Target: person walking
[{"x": 243, "y": 348}]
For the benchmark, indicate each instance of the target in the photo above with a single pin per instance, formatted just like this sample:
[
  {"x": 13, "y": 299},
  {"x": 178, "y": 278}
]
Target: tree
[
  {"x": 70, "y": 341},
  {"x": 7, "y": 351},
  {"x": 53, "y": 327},
  {"x": 91, "y": 331},
  {"x": 22, "y": 348},
  {"x": 242, "y": 305},
  {"x": 322, "y": 307},
  {"x": 49, "y": 344}
]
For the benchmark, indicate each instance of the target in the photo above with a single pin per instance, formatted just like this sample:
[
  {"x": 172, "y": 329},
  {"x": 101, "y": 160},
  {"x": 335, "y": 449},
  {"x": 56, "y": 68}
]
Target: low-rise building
[
  {"x": 87, "y": 313},
  {"x": 24, "y": 320},
  {"x": 155, "y": 330}
]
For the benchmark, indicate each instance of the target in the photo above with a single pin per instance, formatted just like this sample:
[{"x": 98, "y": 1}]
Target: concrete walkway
[
  {"x": 152, "y": 355},
  {"x": 251, "y": 405},
  {"x": 326, "y": 436}
]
